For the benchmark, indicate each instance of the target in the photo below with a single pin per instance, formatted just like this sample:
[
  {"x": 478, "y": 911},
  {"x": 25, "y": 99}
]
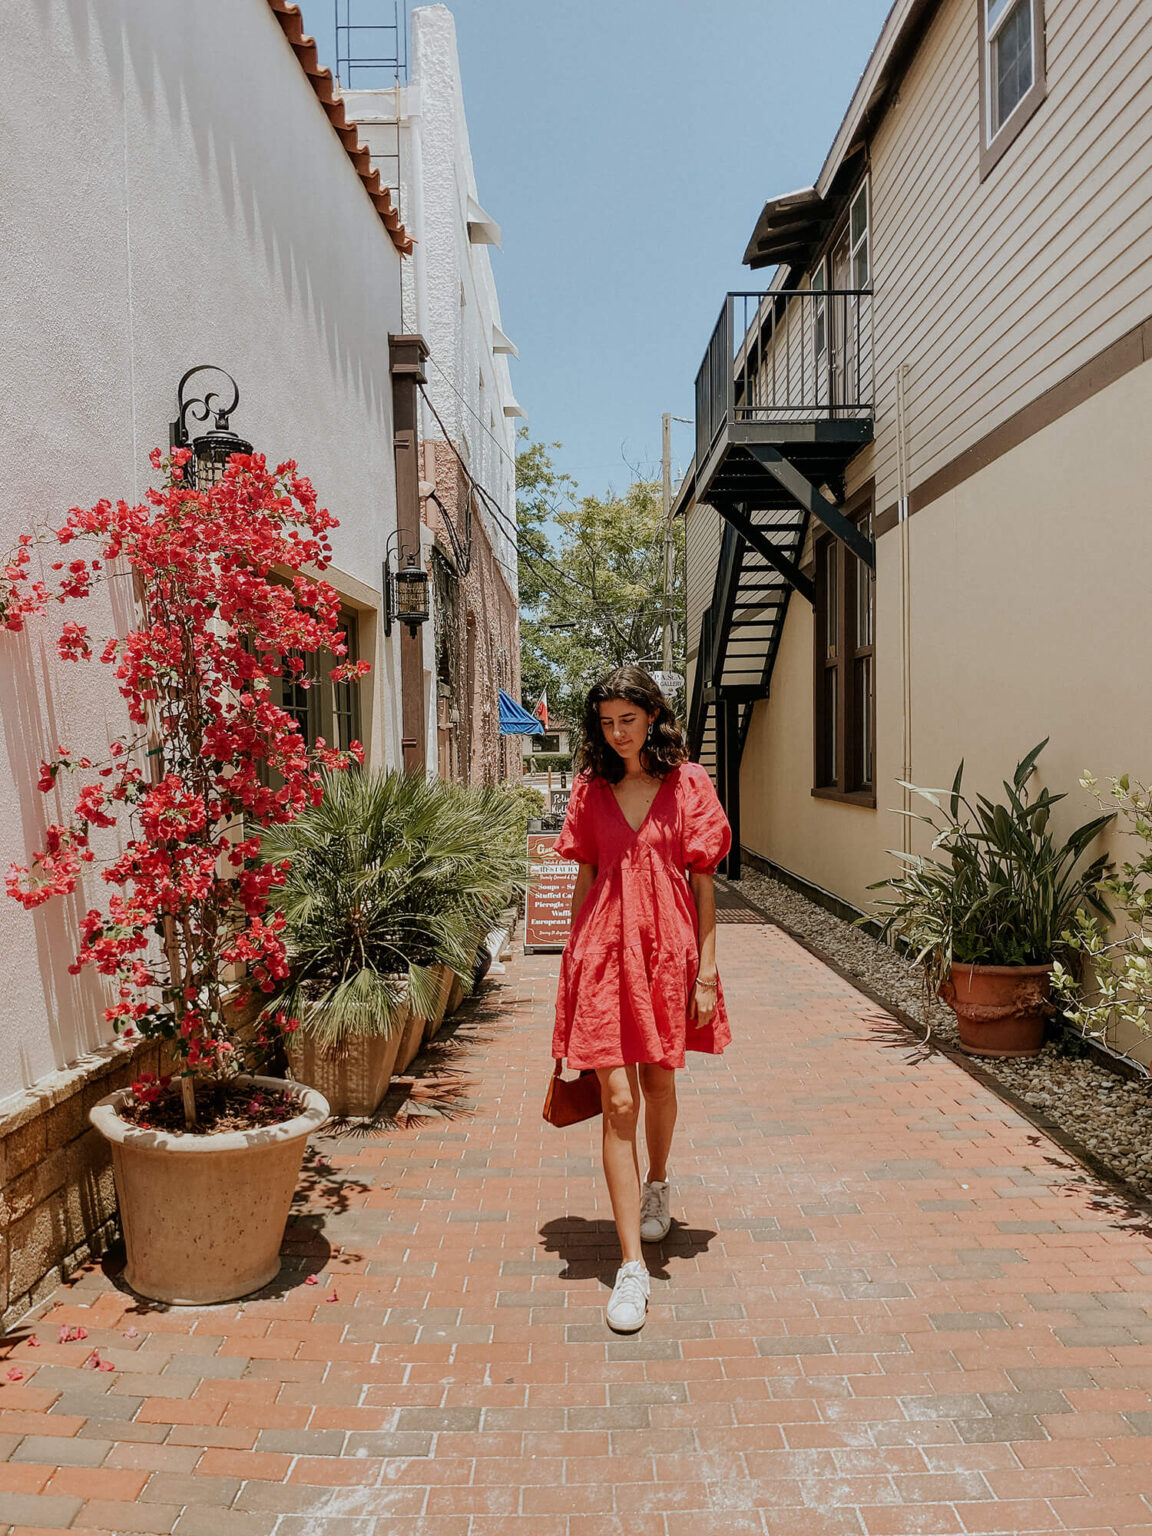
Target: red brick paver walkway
[{"x": 890, "y": 1305}]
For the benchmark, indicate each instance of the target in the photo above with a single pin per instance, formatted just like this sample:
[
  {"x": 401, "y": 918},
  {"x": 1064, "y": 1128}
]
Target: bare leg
[
  {"x": 658, "y": 1085},
  {"x": 621, "y": 1095}
]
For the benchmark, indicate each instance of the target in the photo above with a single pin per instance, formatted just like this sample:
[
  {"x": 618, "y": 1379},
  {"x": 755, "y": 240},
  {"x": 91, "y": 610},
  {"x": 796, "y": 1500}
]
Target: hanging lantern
[
  {"x": 211, "y": 451},
  {"x": 406, "y": 597}
]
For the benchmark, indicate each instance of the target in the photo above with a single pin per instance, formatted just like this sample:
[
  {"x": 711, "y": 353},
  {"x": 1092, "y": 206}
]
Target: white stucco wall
[
  {"x": 450, "y": 287},
  {"x": 172, "y": 194}
]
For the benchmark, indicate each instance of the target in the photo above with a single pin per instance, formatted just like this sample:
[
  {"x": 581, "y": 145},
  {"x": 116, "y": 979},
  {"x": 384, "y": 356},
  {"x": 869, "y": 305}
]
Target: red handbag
[{"x": 572, "y": 1099}]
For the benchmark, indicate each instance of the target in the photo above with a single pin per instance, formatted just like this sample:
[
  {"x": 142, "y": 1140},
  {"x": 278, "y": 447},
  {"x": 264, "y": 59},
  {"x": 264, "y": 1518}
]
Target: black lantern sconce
[
  {"x": 405, "y": 594},
  {"x": 212, "y": 450}
]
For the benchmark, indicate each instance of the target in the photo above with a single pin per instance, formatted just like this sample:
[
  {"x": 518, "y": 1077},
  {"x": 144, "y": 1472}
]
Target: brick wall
[
  {"x": 477, "y": 635},
  {"x": 57, "y": 1197}
]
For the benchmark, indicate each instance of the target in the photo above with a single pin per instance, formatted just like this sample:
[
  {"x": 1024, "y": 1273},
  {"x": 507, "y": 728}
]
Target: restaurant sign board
[{"x": 548, "y": 916}]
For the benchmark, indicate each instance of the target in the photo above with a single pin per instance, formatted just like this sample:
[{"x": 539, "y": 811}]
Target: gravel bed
[{"x": 1109, "y": 1114}]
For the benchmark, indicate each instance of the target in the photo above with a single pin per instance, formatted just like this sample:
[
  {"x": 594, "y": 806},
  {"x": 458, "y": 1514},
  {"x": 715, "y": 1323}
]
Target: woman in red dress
[{"x": 638, "y": 982}]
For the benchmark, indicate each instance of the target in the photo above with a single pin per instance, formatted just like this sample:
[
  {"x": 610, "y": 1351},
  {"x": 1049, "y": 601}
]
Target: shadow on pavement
[{"x": 591, "y": 1251}]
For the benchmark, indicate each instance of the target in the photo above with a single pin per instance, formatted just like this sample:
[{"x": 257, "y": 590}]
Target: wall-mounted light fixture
[
  {"x": 406, "y": 598},
  {"x": 212, "y": 450}
]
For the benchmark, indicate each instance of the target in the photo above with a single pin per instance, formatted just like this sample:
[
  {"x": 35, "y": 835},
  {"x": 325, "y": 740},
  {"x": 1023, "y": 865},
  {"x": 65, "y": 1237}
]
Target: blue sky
[{"x": 625, "y": 149}]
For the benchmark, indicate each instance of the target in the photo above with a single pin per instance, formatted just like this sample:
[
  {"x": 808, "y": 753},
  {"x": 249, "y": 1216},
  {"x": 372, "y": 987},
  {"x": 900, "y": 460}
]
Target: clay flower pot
[
  {"x": 204, "y": 1216},
  {"x": 445, "y": 980},
  {"x": 1000, "y": 1009},
  {"x": 353, "y": 1079}
]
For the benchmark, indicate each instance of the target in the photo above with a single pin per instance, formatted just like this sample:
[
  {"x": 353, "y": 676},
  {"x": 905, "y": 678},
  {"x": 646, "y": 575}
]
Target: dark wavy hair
[{"x": 664, "y": 749}]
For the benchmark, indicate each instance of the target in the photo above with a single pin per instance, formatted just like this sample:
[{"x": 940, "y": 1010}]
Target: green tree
[{"x": 591, "y": 581}]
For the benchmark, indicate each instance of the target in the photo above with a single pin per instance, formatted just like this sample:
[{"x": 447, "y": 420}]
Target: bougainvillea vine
[{"x": 228, "y": 599}]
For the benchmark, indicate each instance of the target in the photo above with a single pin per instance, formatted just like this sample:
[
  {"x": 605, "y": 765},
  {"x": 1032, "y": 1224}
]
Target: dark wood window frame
[
  {"x": 995, "y": 142},
  {"x": 840, "y": 752},
  {"x": 327, "y": 709}
]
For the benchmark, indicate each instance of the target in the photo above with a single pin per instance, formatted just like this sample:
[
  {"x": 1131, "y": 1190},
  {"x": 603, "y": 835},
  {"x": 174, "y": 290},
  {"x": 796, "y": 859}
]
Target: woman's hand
[{"x": 703, "y": 1002}]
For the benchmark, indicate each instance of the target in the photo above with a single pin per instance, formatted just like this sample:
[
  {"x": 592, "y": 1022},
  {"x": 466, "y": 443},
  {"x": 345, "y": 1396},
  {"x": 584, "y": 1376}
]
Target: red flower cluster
[{"x": 214, "y": 757}]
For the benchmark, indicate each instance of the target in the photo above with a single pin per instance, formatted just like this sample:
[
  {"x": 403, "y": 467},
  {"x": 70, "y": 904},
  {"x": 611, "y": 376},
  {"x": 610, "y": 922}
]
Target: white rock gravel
[{"x": 1109, "y": 1114}]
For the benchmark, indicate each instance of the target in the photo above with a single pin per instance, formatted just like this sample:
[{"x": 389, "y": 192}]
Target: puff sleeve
[
  {"x": 706, "y": 835},
  {"x": 576, "y": 840}
]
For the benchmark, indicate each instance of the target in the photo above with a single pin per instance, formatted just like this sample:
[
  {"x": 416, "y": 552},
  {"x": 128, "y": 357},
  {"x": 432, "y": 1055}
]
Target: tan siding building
[{"x": 1001, "y": 322}]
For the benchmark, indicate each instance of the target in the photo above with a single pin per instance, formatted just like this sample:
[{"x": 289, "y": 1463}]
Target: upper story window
[
  {"x": 1012, "y": 72},
  {"x": 858, "y": 240}
]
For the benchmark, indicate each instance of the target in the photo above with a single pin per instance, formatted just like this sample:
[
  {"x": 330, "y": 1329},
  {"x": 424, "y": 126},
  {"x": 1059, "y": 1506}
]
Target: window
[
  {"x": 1012, "y": 81},
  {"x": 845, "y": 680},
  {"x": 858, "y": 239},
  {"x": 819, "y": 313},
  {"x": 828, "y": 664},
  {"x": 345, "y": 697},
  {"x": 324, "y": 708}
]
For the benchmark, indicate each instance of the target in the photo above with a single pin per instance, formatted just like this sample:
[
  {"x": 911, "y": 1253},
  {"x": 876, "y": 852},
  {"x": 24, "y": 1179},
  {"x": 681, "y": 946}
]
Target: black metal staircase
[{"x": 783, "y": 402}]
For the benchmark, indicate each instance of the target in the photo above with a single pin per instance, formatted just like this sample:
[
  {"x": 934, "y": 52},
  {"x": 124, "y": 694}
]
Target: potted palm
[
  {"x": 988, "y": 912},
  {"x": 378, "y": 907},
  {"x": 205, "y": 1162},
  {"x": 493, "y": 877}
]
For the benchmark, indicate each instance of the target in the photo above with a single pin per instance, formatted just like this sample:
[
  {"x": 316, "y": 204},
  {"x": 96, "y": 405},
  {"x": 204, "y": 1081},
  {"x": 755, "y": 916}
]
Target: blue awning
[{"x": 516, "y": 721}]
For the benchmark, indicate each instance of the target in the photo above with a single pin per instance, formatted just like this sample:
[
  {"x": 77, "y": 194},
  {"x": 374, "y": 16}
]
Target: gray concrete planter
[{"x": 204, "y": 1216}]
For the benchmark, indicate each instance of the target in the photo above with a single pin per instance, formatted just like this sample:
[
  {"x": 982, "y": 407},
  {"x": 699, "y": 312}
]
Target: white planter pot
[{"x": 204, "y": 1216}]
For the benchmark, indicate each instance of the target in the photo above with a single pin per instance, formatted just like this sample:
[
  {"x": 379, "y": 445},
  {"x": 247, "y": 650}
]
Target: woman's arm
[
  {"x": 585, "y": 879},
  {"x": 703, "y": 1003}
]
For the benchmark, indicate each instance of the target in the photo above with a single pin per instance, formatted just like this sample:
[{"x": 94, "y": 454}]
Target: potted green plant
[
  {"x": 494, "y": 877},
  {"x": 376, "y": 907},
  {"x": 988, "y": 911},
  {"x": 206, "y": 1162}
]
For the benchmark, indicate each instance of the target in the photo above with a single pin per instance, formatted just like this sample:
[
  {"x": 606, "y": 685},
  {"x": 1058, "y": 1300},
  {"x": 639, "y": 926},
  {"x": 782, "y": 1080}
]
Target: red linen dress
[{"x": 629, "y": 969}]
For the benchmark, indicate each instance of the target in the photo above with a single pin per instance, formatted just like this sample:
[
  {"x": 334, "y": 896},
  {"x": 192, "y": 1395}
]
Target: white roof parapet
[
  {"x": 501, "y": 343},
  {"x": 482, "y": 227}
]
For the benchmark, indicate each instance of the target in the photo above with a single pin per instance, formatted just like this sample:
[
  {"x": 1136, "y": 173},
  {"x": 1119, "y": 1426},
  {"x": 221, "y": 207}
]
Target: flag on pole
[{"x": 541, "y": 710}]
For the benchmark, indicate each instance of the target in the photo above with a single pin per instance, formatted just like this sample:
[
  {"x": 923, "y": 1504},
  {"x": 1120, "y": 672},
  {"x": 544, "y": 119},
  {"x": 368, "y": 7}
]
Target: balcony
[
  {"x": 790, "y": 369},
  {"x": 783, "y": 403}
]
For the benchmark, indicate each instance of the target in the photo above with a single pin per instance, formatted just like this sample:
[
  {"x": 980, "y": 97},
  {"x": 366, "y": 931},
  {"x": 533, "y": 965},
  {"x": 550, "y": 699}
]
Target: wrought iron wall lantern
[
  {"x": 212, "y": 449},
  {"x": 406, "y": 596}
]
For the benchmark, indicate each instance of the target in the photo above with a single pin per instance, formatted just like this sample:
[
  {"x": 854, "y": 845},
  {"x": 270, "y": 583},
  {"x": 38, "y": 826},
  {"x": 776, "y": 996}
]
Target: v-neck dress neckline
[
  {"x": 628, "y": 973},
  {"x": 636, "y": 831}
]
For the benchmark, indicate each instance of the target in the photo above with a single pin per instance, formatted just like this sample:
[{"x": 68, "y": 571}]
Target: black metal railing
[{"x": 795, "y": 354}]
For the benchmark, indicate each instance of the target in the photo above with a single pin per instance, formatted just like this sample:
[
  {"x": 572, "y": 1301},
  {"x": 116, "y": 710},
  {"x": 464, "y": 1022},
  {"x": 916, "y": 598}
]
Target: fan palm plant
[
  {"x": 391, "y": 876},
  {"x": 367, "y": 905}
]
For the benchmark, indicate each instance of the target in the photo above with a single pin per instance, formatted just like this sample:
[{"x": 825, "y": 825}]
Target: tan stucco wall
[{"x": 1030, "y": 618}]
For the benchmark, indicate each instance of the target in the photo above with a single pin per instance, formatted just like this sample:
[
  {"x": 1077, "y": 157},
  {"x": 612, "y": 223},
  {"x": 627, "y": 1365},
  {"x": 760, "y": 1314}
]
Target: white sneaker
[
  {"x": 629, "y": 1300},
  {"x": 655, "y": 1216}
]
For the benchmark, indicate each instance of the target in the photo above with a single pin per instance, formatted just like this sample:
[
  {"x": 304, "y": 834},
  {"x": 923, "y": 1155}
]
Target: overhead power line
[
  {"x": 473, "y": 412},
  {"x": 508, "y": 527}
]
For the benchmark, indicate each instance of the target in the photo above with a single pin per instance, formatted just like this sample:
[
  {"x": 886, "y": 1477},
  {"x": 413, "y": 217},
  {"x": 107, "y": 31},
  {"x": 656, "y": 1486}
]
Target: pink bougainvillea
[{"x": 228, "y": 600}]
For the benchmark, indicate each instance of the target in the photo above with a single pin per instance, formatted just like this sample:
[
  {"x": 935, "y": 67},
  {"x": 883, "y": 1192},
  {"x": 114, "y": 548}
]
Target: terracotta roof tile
[{"x": 304, "y": 47}]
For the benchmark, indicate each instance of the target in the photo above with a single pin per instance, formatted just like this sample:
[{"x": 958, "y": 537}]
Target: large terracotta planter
[
  {"x": 411, "y": 1039},
  {"x": 445, "y": 978},
  {"x": 204, "y": 1216},
  {"x": 1000, "y": 1009},
  {"x": 355, "y": 1079}
]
